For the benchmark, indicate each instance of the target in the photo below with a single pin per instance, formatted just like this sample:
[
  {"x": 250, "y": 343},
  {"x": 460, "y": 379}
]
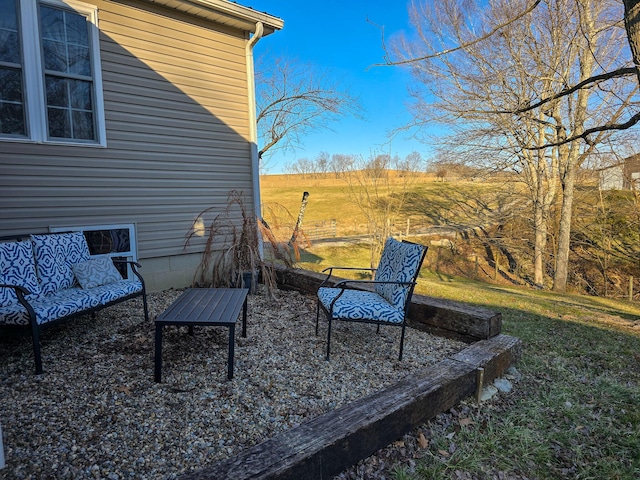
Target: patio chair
[{"x": 386, "y": 303}]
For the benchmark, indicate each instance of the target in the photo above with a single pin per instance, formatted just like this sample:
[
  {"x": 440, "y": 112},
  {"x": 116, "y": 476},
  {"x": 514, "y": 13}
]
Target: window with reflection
[
  {"x": 67, "y": 66},
  {"x": 12, "y": 112},
  {"x": 50, "y": 90}
]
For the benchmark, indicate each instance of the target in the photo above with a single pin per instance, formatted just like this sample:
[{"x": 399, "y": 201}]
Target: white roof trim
[{"x": 226, "y": 13}]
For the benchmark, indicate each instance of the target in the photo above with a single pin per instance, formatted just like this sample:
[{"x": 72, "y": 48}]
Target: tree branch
[
  {"x": 621, "y": 72},
  {"x": 459, "y": 47},
  {"x": 590, "y": 131}
]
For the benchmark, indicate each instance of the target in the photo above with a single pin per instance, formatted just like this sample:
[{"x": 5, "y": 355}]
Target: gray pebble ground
[{"x": 97, "y": 413}]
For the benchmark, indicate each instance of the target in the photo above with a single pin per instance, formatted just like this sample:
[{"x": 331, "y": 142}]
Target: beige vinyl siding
[{"x": 176, "y": 110}]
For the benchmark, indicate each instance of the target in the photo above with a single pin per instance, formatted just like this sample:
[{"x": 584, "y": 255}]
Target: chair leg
[
  {"x": 378, "y": 329},
  {"x": 401, "y": 342},
  {"x": 35, "y": 335},
  {"x": 317, "y": 316},
  {"x": 329, "y": 339},
  {"x": 145, "y": 306}
]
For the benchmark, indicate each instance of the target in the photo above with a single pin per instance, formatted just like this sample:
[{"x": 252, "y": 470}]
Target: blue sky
[{"x": 336, "y": 37}]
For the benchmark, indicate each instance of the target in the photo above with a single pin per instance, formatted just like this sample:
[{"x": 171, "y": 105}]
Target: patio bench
[{"x": 49, "y": 278}]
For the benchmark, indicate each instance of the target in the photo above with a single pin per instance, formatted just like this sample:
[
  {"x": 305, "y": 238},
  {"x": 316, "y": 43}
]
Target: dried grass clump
[{"x": 235, "y": 245}]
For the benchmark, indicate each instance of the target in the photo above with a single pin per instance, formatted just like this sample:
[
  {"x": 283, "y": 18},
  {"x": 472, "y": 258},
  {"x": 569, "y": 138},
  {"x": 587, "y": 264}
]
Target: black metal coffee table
[{"x": 218, "y": 307}]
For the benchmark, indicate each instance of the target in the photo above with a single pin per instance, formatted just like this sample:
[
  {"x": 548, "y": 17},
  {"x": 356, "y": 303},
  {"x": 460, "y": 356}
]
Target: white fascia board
[{"x": 226, "y": 13}]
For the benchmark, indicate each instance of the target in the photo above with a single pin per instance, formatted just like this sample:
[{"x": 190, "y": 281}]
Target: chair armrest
[
  {"x": 342, "y": 284},
  {"x": 331, "y": 269},
  {"x": 20, "y": 293},
  {"x": 348, "y": 268},
  {"x": 130, "y": 262},
  {"x": 17, "y": 288},
  {"x": 134, "y": 267}
]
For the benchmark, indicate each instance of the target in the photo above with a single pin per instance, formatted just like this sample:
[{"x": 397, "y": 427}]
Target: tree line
[{"x": 339, "y": 163}]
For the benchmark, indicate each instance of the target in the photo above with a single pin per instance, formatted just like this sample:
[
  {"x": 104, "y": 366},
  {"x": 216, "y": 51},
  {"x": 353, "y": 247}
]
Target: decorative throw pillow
[
  {"x": 17, "y": 268},
  {"x": 55, "y": 253},
  {"x": 96, "y": 271}
]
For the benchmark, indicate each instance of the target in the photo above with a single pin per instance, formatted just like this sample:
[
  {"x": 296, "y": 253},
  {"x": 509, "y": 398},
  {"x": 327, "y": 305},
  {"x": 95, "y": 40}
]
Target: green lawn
[{"x": 576, "y": 411}]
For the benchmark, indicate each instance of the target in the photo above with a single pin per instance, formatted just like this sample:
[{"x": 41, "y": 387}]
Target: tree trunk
[
  {"x": 564, "y": 234},
  {"x": 571, "y": 156},
  {"x": 540, "y": 229},
  {"x": 632, "y": 26}
]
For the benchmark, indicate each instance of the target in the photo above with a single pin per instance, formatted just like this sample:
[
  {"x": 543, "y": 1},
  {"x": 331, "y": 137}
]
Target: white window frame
[{"x": 33, "y": 81}]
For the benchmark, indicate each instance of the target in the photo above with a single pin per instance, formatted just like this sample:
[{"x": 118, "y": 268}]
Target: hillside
[{"x": 476, "y": 229}]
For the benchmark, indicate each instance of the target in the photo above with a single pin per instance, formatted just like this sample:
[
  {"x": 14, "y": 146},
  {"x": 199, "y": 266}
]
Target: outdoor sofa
[{"x": 46, "y": 279}]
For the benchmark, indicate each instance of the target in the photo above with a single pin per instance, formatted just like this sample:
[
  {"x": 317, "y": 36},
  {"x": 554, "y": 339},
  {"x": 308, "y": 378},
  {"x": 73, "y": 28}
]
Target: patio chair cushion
[
  {"x": 96, "y": 271},
  {"x": 67, "y": 302},
  {"x": 55, "y": 254},
  {"x": 399, "y": 263},
  {"x": 56, "y": 305},
  {"x": 360, "y": 305},
  {"x": 114, "y": 291},
  {"x": 17, "y": 268}
]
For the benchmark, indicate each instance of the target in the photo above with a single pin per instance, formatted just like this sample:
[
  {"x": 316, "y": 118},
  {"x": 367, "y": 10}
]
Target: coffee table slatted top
[{"x": 208, "y": 306}]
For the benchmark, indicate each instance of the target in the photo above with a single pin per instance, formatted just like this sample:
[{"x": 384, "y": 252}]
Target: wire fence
[
  {"x": 323, "y": 229},
  {"x": 332, "y": 228}
]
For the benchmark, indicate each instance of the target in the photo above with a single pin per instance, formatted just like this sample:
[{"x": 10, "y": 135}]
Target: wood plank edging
[{"x": 328, "y": 444}]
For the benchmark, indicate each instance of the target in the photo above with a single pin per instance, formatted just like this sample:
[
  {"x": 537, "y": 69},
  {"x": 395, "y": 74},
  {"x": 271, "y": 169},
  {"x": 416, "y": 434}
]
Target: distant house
[
  {"x": 127, "y": 118},
  {"x": 621, "y": 176},
  {"x": 611, "y": 177}
]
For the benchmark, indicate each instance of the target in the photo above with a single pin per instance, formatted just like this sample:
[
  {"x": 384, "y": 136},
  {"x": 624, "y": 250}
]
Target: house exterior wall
[
  {"x": 612, "y": 178},
  {"x": 176, "y": 112}
]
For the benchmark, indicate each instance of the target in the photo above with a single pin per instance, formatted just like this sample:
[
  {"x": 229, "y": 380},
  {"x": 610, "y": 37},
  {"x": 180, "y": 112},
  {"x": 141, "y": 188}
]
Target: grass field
[
  {"x": 328, "y": 198},
  {"x": 575, "y": 413},
  {"x": 325, "y": 194}
]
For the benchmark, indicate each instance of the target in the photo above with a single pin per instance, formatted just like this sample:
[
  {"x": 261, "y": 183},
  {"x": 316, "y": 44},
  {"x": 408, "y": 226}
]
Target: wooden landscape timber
[
  {"x": 326, "y": 445},
  {"x": 445, "y": 318}
]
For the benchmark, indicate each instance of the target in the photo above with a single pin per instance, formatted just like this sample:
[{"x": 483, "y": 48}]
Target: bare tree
[
  {"x": 631, "y": 19},
  {"x": 341, "y": 163},
  {"x": 484, "y": 81},
  {"x": 294, "y": 99},
  {"x": 380, "y": 194},
  {"x": 302, "y": 166},
  {"x": 322, "y": 162},
  {"x": 412, "y": 163}
]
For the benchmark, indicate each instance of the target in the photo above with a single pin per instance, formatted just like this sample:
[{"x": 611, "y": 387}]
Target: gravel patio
[{"x": 96, "y": 412}]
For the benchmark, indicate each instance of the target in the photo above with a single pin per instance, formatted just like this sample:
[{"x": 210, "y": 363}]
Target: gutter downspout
[{"x": 253, "y": 127}]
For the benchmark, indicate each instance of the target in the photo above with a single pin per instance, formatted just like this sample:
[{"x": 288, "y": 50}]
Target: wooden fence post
[
  {"x": 631, "y": 288},
  {"x": 303, "y": 206}
]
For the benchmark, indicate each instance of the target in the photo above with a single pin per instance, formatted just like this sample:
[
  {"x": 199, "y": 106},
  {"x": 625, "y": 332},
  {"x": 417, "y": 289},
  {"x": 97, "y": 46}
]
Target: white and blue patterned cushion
[
  {"x": 55, "y": 254},
  {"x": 114, "y": 291},
  {"x": 360, "y": 305},
  {"x": 399, "y": 263},
  {"x": 17, "y": 268},
  {"x": 96, "y": 271},
  {"x": 49, "y": 308}
]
